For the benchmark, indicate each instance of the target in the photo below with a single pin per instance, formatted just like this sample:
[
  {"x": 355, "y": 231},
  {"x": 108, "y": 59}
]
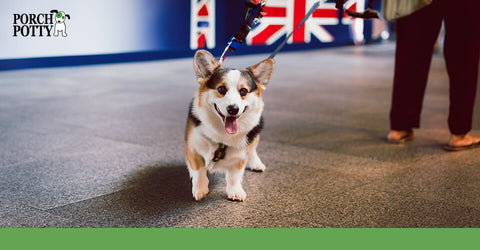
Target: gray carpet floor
[{"x": 102, "y": 146}]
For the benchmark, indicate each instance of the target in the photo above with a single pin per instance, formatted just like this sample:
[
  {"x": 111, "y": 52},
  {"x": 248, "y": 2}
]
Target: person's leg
[
  {"x": 461, "y": 51},
  {"x": 416, "y": 36}
]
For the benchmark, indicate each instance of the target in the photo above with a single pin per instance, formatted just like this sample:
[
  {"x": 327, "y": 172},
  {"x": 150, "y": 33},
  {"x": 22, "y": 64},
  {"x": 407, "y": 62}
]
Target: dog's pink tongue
[{"x": 231, "y": 125}]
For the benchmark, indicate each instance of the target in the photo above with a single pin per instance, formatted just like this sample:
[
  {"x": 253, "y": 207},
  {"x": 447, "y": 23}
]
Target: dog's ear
[
  {"x": 54, "y": 11},
  {"x": 262, "y": 72},
  {"x": 204, "y": 64},
  {"x": 67, "y": 15}
]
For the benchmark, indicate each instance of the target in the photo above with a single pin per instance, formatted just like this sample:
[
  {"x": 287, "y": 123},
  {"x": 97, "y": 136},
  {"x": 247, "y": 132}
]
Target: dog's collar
[{"x": 220, "y": 152}]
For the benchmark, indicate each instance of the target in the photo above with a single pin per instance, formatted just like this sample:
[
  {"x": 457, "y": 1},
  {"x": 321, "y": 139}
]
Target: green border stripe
[{"x": 244, "y": 239}]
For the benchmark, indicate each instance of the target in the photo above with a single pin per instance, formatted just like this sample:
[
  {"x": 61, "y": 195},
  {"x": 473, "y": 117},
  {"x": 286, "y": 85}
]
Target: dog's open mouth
[{"x": 230, "y": 122}]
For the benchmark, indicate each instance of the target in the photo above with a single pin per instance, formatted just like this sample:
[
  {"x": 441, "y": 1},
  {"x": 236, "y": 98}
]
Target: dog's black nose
[{"x": 232, "y": 109}]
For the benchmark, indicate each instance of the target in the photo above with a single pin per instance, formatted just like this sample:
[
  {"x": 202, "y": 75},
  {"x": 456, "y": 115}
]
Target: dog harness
[{"x": 220, "y": 152}]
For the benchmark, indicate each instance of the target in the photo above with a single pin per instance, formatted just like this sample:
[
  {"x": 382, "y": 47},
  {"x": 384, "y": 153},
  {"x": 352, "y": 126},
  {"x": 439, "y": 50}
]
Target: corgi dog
[{"x": 224, "y": 123}]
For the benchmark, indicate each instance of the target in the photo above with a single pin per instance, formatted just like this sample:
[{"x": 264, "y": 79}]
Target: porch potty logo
[{"x": 40, "y": 25}]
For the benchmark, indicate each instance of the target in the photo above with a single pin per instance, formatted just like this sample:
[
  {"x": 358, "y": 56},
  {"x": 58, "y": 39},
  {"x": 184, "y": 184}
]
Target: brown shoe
[
  {"x": 400, "y": 136},
  {"x": 462, "y": 142}
]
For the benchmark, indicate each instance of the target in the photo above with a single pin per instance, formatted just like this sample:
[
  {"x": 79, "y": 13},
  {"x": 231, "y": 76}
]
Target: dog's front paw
[
  {"x": 258, "y": 167},
  {"x": 236, "y": 194},
  {"x": 200, "y": 193},
  {"x": 254, "y": 163}
]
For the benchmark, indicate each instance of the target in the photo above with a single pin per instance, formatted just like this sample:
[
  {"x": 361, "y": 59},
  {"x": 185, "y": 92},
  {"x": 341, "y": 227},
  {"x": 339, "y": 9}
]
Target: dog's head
[
  {"x": 60, "y": 16},
  {"x": 229, "y": 93}
]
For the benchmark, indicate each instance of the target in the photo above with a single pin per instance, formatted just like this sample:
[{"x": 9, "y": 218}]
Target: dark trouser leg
[
  {"x": 416, "y": 36},
  {"x": 461, "y": 51}
]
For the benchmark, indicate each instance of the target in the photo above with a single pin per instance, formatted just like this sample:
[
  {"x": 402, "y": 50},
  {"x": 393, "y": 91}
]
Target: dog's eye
[
  {"x": 243, "y": 91},
  {"x": 222, "y": 90}
]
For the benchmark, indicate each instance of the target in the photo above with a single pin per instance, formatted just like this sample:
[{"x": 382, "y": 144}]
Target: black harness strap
[{"x": 220, "y": 152}]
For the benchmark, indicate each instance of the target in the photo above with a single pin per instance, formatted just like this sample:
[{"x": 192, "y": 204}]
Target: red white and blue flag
[
  {"x": 202, "y": 24},
  {"x": 283, "y": 15}
]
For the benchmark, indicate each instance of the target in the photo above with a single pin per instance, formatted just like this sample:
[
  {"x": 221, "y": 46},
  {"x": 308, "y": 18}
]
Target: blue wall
[{"x": 111, "y": 31}]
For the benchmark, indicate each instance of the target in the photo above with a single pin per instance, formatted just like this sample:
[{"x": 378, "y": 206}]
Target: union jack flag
[
  {"x": 202, "y": 24},
  {"x": 283, "y": 15}
]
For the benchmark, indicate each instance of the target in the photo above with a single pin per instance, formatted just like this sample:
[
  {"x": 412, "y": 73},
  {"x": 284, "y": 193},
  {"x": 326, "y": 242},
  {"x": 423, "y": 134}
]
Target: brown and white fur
[{"x": 227, "y": 109}]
